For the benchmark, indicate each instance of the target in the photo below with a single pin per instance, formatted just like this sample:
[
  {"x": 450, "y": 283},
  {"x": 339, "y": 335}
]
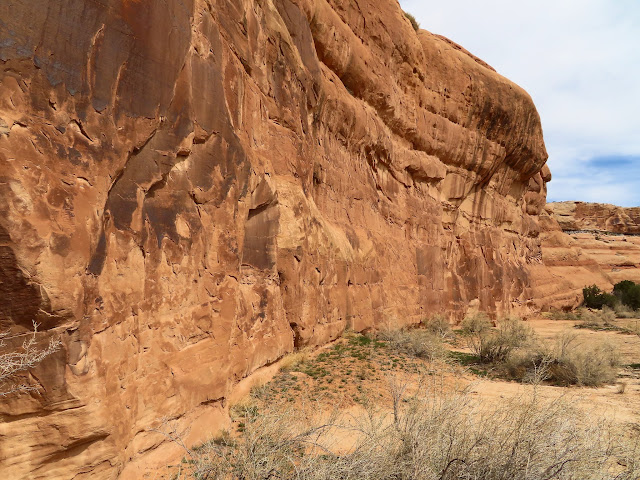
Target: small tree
[
  {"x": 28, "y": 356},
  {"x": 596, "y": 298},
  {"x": 628, "y": 293}
]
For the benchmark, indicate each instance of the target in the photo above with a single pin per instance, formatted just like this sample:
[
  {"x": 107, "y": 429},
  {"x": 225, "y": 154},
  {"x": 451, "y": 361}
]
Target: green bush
[
  {"x": 628, "y": 293},
  {"x": 412, "y": 19},
  {"x": 596, "y": 298},
  {"x": 623, "y": 287}
]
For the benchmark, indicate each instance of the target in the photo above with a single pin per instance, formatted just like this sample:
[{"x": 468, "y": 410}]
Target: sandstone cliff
[
  {"x": 582, "y": 216},
  {"x": 191, "y": 189},
  {"x": 565, "y": 270},
  {"x": 602, "y": 234}
]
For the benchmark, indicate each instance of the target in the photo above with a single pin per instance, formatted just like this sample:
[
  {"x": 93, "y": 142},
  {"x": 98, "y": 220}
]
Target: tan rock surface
[
  {"x": 603, "y": 217},
  {"x": 191, "y": 189},
  {"x": 566, "y": 269},
  {"x": 606, "y": 234}
]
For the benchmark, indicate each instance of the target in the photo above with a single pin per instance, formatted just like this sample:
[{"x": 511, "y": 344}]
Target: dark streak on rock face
[
  {"x": 261, "y": 229},
  {"x": 96, "y": 263},
  {"x": 20, "y": 299}
]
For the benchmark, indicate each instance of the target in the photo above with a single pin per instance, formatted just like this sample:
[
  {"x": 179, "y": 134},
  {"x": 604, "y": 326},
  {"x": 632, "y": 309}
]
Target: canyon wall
[
  {"x": 601, "y": 234},
  {"x": 191, "y": 189},
  {"x": 596, "y": 217},
  {"x": 566, "y": 268}
]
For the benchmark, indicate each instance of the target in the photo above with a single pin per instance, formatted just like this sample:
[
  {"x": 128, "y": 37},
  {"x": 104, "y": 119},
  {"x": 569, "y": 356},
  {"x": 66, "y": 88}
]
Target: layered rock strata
[
  {"x": 596, "y": 217},
  {"x": 606, "y": 235},
  {"x": 565, "y": 270},
  {"x": 191, "y": 189}
]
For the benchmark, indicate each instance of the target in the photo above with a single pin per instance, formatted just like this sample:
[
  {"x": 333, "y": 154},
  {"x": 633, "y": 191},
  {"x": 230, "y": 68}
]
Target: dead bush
[
  {"x": 494, "y": 345},
  {"x": 597, "y": 319},
  {"x": 570, "y": 361},
  {"x": 624, "y": 311},
  {"x": 588, "y": 365},
  {"x": 419, "y": 343},
  {"x": 21, "y": 359},
  {"x": 439, "y": 326},
  {"x": 562, "y": 315},
  {"x": 431, "y": 435}
]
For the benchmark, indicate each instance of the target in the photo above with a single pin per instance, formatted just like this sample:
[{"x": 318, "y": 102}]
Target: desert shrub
[
  {"x": 419, "y": 343},
  {"x": 629, "y": 293},
  {"x": 412, "y": 19},
  {"x": 21, "y": 359},
  {"x": 632, "y": 299},
  {"x": 624, "y": 311},
  {"x": 476, "y": 328},
  {"x": 597, "y": 319},
  {"x": 570, "y": 361},
  {"x": 562, "y": 315},
  {"x": 430, "y": 436},
  {"x": 439, "y": 326},
  {"x": 623, "y": 287},
  {"x": 494, "y": 345},
  {"x": 596, "y": 298},
  {"x": 588, "y": 365}
]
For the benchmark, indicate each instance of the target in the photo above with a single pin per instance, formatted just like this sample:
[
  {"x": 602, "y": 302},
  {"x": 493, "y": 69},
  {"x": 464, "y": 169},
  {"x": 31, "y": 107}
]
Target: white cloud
[{"x": 579, "y": 60}]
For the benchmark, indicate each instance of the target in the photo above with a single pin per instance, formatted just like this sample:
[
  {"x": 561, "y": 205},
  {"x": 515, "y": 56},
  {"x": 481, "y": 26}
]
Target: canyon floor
[{"x": 358, "y": 374}]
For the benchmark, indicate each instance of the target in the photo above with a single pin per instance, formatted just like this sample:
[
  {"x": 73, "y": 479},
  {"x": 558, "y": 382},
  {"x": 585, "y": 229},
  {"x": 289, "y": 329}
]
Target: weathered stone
[
  {"x": 191, "y": 189},
  {"x": 604, "y": 237},
  {"x": 582, "y": 216}
]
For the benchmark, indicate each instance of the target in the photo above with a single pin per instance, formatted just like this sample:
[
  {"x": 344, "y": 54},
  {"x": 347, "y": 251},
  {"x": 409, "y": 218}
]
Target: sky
[{"x": 580, "y": 62}]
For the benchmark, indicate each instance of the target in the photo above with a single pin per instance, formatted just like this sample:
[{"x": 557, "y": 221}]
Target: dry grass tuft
[
  {"x": 495, "y": 345},
  {"x": 293, "y": 361},
  {"x": 570, "y": 361},
  {"x": 413, "y": 21},
  {"x": 430, "y": 435},
  {"x": 418, "y": 343}
]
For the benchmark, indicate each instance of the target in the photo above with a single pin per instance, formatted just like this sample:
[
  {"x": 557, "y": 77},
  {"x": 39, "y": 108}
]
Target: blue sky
[{"x": 580, "y": 61}]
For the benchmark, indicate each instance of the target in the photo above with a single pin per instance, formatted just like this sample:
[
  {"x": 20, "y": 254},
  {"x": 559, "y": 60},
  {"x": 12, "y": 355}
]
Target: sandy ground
[
  {"x": 355, "y": 379},
  {"x": 355, "y": 371},
  {"x": 604, "y": 401}
]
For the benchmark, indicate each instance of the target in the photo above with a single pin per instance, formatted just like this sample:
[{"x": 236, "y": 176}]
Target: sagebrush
[{"x": 430, "y": 435}]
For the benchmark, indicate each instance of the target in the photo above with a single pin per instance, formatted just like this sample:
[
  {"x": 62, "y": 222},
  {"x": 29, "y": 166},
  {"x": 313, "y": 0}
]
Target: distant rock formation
[
  {"x": 605, "y": 234},
  {"x": 603, "y": 217},
  {"x": 191, "y": 189}
]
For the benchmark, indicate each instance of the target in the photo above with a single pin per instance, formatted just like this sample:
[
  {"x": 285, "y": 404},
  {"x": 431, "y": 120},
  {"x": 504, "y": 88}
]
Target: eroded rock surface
[
  {"x": 565, "y": 270},
  {"x": 191, "y": 189},
  {"x": 597, "y": 217},
  {"x": 604, "y": 234}
]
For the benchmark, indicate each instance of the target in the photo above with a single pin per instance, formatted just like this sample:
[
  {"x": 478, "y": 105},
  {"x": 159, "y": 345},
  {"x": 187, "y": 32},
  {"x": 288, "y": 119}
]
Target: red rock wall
[
  {"x": 191, "y": 189},
  {"x": 605, "y": 235},
  {"x": 566, "y": 269},
  {"x": 574, "y": 216}
]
